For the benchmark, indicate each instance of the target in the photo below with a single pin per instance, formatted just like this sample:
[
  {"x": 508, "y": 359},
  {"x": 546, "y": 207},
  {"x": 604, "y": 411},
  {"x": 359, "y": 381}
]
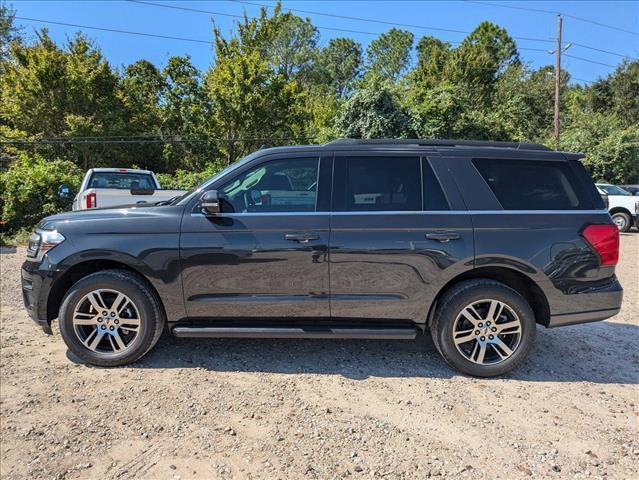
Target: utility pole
[{"x": 557, "y": 81}]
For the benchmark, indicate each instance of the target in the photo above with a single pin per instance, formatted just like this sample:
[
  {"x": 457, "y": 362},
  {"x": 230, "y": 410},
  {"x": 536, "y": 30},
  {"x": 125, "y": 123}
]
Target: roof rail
[{"x": 439, "y": 143}]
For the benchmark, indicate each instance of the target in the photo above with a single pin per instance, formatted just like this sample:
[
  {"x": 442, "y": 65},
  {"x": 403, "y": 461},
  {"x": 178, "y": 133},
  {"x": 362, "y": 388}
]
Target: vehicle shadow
[{"x": 604, "y": 352}]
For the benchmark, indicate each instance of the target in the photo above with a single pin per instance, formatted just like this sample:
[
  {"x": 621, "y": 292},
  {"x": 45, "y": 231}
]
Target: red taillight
[
  {"x": 605, "y": 240},
  {"x": 91, "y": 200}
]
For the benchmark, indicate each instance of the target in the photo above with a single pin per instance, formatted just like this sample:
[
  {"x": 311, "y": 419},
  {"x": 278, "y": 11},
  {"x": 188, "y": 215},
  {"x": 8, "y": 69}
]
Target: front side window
[
  {"x": 288, "y": 185},
  {"x": 533, "y": 185},
  {"x": 381, "y": 184}
]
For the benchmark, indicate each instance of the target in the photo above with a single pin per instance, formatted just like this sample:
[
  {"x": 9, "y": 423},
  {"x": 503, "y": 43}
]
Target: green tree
[
  {"x": 337, "y": 65},
  {"x": 618, "y": 93},
  {"x": 250, "y": 99},
  {"x": 185, "y": 112},
  {"x": 8, "y": 32},
  {"x": 375, "y": 113},
  {"x": 53, "y": 92},
  {"x": 388, "y": 56}
]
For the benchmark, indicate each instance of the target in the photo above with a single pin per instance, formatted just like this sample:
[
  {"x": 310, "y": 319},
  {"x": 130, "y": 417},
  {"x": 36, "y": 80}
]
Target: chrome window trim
[{"x": 416, "y": 212}]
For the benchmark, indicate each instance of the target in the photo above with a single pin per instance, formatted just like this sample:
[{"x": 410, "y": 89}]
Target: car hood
[{"x": 138, "y": 218}]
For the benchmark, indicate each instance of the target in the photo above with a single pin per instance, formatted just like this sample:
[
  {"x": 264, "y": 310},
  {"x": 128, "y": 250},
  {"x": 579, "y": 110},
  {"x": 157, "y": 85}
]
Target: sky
[{"x": 533, "y": 30}]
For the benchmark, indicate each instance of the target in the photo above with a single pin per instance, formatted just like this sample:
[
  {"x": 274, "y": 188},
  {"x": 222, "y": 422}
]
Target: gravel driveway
[{"x": 321, "y": 409}]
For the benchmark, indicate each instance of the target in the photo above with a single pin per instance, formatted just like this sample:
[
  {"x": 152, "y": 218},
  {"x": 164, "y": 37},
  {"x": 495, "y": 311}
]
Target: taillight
[
  {"x": 91, "y": 200},
  {"x": 605, "y": 240}
]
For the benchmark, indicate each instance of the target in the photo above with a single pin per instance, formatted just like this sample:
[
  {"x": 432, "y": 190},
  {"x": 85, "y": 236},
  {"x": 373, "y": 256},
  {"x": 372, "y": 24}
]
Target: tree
[
  {"x": 250, "y": 100},
  {"x": 612, "y": 152},
  {"x": 186, "y": 112},
  {"x": 375, "y": 113},
  {"x": 53, "y": 92},
  {"x": 619, "y": 93},
  {"x": 388, "y": 56},
  {"x": 8, "y": 32},
  {"x": 338, "y": 64}
]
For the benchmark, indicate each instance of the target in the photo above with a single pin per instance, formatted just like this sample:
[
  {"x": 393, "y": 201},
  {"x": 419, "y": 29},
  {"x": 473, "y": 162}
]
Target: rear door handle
[
  {"x": 301, "y": 237},
  {"x": 442, "y": 236}
]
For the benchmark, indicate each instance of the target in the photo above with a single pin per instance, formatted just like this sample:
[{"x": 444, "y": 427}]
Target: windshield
[
  {"x": 186, "y": 197},
  {"x": 613, "y": 190}
]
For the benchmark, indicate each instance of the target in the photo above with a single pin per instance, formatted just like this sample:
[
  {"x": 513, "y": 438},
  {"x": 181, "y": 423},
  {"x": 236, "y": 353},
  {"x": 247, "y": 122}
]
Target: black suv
[{"x": 476, "y": 242}]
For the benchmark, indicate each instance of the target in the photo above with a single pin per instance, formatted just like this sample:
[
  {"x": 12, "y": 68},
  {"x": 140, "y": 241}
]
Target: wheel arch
[
  {"x": 514, "y": 279},
  {"x": 76, "y": 272},
  {"x": 614, "y": 210}
]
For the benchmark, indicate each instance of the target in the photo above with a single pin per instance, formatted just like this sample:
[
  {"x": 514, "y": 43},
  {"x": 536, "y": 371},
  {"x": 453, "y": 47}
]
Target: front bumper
[{"x": 36, "y": 285}]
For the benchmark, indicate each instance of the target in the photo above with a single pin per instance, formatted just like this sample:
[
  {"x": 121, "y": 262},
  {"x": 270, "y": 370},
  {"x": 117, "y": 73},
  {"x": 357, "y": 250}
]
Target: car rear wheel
[
  {"x": 111, "y": 318},
  {"x": 483, "y": 328},
  {"x": 622, "y": 220}
]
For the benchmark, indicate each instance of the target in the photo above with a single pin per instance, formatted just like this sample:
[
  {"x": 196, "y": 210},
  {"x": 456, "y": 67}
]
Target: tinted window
[
  {"x": 434, "y": 198},
  {"x": 278, "y": 186},
  {"x": 121, "y": 180},
  {"x": 614, "y": 190},
  {"x": 381, "y": 184},
  {"x": 533, "y": 185}
]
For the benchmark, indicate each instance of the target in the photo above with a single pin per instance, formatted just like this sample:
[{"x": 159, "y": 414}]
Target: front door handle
[
  {"x": 442, "y": 236},
  {"x": 301, "y": 237}
]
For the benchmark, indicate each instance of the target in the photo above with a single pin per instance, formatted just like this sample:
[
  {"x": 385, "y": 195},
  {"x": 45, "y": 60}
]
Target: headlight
[{"x": 41, "y": 241}]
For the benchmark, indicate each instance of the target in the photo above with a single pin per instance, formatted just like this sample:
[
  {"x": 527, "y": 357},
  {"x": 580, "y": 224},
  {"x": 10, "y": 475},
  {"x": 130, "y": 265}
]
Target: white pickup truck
[
  {"x": 114, "y": 187},
  {"x": 622, "y": 206}
]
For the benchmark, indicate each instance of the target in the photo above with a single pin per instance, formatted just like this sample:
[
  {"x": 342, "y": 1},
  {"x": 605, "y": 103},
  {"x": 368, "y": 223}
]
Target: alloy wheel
[
  {"x": 487, "y": 332},
  {"x": 106, "y": 321}
]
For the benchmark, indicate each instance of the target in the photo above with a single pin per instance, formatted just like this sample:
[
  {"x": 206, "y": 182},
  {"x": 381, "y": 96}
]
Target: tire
[
  {"x": 452, "y": 322},
  {"x": 622, "y": 220},
  {"x": 128, "y": 331}
]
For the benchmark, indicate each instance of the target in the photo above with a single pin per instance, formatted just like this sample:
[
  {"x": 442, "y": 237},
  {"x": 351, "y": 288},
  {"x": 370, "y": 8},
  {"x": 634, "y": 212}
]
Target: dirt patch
[{"x": 320, "y": 409}]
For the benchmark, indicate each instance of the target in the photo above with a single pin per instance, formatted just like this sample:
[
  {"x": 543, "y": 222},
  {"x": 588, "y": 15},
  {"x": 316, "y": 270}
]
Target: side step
[{"x": 373, "y": 333}]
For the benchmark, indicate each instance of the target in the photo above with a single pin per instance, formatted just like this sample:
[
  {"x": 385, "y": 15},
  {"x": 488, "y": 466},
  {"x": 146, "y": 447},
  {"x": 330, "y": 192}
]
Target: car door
[
  {"x": 396, "y": 239},
  {"x": 265, "y": 254}
]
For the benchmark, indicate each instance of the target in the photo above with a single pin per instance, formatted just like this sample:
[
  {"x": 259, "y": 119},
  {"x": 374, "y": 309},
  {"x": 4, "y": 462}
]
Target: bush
[
  {"x": 185, "y": 179},
  {"x": 30, "y": 190}
]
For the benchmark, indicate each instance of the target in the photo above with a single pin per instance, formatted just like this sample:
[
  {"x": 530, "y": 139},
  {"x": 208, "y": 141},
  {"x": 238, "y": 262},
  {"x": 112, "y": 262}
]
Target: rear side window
[
  {"x": 533, "y": 185},
  {"x": 434, "y": 198},
  {"x": 121, "y": 180},
  {"x": 381, "y": 184}
]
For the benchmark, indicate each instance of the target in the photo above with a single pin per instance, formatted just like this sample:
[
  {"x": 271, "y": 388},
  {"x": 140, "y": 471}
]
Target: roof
[
  {"x": 440, "y": 143},
  {"x": 120, "y": 170},
  {"x": 536, "y": 149}
]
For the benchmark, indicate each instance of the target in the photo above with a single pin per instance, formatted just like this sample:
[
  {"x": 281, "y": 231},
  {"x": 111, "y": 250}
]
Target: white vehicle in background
[
  {"x": 114, "y": 187},
  {"x": 622, "y": 205}
]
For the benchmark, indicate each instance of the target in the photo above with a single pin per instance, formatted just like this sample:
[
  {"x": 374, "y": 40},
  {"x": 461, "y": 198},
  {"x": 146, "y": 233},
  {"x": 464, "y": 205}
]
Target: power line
[
  {"x": 590, "y": 61},
  {"x": 603, "y": 51},
  {"x": 554, "y": 12},
  {"x": 143, "y": 139},
  {"x": 317, "y": 26},
  {"x": 128, "y": 32},
  {"x": 429, "y": 28},
  {"x": 384, "y": 22}
]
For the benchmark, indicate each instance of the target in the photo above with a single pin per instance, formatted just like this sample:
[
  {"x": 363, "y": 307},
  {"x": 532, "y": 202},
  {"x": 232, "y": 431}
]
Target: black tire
[
  {"x": 622, "y": 220},
  {"x": 151, "y": 316},
  {"x": 466, "y": 293}
]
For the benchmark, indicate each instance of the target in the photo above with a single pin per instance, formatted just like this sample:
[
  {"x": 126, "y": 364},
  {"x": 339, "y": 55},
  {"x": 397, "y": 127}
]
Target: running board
[{"x": 394, "y": 333}]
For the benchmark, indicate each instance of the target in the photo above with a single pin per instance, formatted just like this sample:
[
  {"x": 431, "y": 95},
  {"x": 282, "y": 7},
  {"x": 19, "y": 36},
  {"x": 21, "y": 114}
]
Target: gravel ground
[{"x": 321, "y": 409}]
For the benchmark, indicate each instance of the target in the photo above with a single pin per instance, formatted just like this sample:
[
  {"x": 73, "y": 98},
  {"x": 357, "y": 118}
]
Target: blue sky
[{"x": 122, "y": 49}]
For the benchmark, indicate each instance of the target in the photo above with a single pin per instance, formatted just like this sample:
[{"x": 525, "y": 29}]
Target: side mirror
[
  {"x": 64, "y": 191},
  {"x": 210, "y": 203}
]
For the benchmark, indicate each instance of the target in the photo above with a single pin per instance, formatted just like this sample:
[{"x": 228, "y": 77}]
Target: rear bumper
[
  {"x": 599, "y": 306},
  {"x": 581, "y": 317}
]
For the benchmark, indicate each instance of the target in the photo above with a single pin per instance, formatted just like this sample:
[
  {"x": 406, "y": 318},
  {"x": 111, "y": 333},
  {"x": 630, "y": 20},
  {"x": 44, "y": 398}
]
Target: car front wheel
[
  {"x": 483, "y": 328},
  {"x": 111, "y": 318}
]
